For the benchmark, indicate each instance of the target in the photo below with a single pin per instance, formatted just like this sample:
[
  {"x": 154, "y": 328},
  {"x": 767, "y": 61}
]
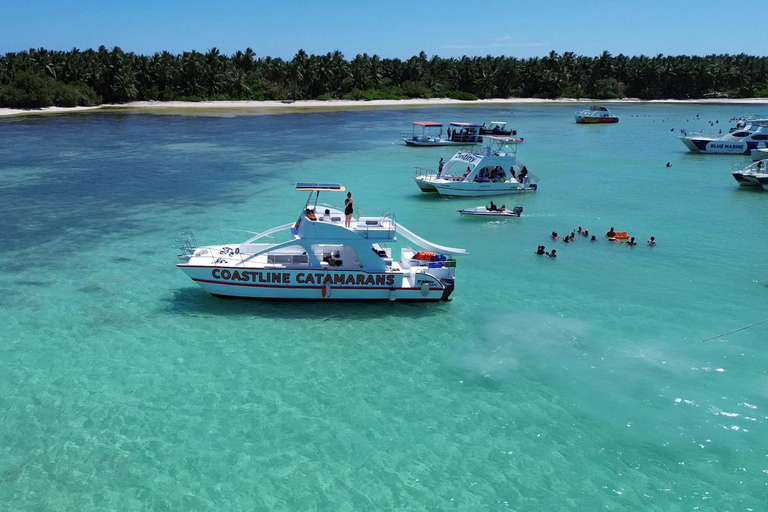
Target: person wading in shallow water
[{"x": 349, "y": 207}]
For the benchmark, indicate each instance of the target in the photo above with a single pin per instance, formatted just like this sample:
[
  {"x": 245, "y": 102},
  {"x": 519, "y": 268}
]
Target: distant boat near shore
[{"x": 596, "y": 114}]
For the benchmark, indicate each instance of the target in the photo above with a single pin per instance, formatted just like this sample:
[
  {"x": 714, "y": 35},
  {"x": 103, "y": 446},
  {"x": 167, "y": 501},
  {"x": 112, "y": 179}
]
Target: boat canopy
[
  {"x": 427, "y": 123},
  {"x": 499, "y": 123},
  {"x": 466, "y": 125},
  {"x": 598, "y": 108},
  {"x": 320, "y": 187}
]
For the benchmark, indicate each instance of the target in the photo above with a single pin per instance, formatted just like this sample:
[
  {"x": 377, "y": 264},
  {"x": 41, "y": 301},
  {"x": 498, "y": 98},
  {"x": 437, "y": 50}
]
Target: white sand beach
[{"x": 275, "y": 107}]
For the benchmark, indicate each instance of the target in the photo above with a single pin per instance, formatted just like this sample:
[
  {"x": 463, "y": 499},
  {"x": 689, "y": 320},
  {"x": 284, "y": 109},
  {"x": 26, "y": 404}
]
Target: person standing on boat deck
[
  {"x": 440, "y": 168},
  {"x": 349, "y": 207}
]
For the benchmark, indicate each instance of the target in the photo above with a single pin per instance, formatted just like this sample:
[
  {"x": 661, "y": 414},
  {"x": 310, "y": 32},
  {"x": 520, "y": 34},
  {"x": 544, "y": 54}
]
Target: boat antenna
[{"x": 735, "y": 330}]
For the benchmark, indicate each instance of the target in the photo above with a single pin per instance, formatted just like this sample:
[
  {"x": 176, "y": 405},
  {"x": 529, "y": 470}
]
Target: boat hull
[
  {"x": 596, "y": 120},
  {"x": 471, "y": 189},
  {"x": 316, "y": 284},
  {"x": 428, "y": 143},
  {"x": 719, "y": 147},
  {"x": 482, "y": 211}
]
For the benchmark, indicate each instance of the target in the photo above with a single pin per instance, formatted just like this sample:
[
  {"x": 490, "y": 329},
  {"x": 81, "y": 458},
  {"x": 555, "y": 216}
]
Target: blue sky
[{"x": 389, "y": 28}]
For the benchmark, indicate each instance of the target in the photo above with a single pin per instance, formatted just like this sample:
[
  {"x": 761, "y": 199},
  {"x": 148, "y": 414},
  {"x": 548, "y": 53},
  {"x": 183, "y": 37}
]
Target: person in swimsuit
[
  {"x": 611, "y": 234},
  {"x": 349, "y": 207}
]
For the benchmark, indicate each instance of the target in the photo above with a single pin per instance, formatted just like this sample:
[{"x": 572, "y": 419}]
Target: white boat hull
[
  {"x": 472, "y": 189},
  {"x": 482, "y": 211},
  {"x": 438, "y": 142},
  {"x": 317, "y": 284}
]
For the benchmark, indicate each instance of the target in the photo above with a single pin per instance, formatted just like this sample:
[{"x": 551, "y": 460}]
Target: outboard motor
[
  {"x": 450, "y": 284},
  {"x": 517, "y": 210}
]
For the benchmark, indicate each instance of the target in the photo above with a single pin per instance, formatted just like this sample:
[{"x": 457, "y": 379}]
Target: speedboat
[
  {"x": 596, "y": 114},
  {"x": 750, "y": 133},
  {"x": 317, "y": 257},
  {"x": 431, "y": 134},
  {"x": 496, "y": 128},
  {"x": 484, "y": 211},
  {"x": 753, "y": 175},
  {"x": 491, "y": 170}
]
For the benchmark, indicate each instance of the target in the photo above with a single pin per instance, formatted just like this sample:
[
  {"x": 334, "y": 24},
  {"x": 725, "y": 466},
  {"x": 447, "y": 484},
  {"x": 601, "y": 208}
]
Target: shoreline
[{"x": 278, "y": 107}]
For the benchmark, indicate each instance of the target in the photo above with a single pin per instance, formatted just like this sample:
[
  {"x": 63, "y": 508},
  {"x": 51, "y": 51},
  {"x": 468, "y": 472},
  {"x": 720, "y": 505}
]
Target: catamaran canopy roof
[
  {"x": 598, "y": 108},
  {"x": 427, "y": 123},
  {"x": 499, "y": 122},
  {"x": 324, "y": 187},
  {"x": 466, "y": 125},
  {"x": 501, "y": 138}
]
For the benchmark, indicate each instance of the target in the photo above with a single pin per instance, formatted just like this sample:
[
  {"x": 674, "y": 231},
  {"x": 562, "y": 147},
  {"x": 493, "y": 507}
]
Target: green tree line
[{"x": 40, "y": 77}]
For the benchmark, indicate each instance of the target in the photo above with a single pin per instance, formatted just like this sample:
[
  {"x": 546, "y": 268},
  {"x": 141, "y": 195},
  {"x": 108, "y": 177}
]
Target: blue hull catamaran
[
  {"x": 431, "y": 134},
  {"x": 750, "y": 133},
  {"x": 320, "y": 258}
]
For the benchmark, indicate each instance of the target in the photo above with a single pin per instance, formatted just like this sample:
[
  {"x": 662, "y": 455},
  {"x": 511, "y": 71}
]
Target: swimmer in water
[
  {"x": 554, "y": 235},
  {"x": 594, "y": 239},
  {"x": 611, "y": 234},
  {"x": 632, "y": 242},
  {"x": 652, "y": 241},
  {"x": 552, "y": 254},
  {"x": 540, "y": 250}
]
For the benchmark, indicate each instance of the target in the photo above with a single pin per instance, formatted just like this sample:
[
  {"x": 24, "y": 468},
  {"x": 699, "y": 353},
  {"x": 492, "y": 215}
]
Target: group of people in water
[{"x": 611, "y": 235}]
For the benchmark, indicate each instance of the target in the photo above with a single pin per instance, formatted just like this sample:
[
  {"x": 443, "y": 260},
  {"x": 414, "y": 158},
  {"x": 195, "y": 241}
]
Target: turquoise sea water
[{"x": 579, "y": 383}]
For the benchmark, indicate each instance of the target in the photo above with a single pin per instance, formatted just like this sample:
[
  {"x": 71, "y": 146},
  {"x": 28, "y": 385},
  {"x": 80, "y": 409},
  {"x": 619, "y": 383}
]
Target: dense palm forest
[{"x": 38, "y": 78}]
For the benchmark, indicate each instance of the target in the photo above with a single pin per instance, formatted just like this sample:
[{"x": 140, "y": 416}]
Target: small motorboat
[
  {"x": 497, "y": 128},
  {"x": 596, "y": 115},
  {"x": 484, "y": 211}
]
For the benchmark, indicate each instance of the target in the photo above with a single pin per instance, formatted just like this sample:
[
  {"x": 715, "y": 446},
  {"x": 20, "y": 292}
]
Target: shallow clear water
[{"x": 570, "y": 384}]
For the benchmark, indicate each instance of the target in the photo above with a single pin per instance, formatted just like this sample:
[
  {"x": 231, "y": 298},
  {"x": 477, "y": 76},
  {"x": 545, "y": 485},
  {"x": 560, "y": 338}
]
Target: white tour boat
[
  {"x": 320, "y": 258},
  {"x": 753, "y": 175},
  {"x": 485, "y": 172},
  {"x": 484, "y": 211},
  {"x": 431, "y": 134},
  {"x": 750, "y": 133}
]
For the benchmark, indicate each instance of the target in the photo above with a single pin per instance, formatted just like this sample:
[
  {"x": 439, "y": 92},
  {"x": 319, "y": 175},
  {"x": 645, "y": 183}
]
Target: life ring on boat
[{"x": 326, "y": 291}]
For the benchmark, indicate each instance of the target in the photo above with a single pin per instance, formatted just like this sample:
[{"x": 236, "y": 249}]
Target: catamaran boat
[
  {"x": 484, "y": 211},
  {"x": 750, "y": 133},
  {"x": 319, "y": 258},
  {"x": 491, "y": 170},
  {"x": 595, "y": 115},
  {"x": 496, "y": 128},
  {"x": 753, "y": 175},
  {"x": 427, "y": 133}
]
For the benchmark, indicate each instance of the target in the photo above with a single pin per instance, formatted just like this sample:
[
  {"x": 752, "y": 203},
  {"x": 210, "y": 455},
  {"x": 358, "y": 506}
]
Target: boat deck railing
[
  {"x": 429, "y": 173},
  {"x": 759, "y": 167},
  {"x": 419, "y": 136}
]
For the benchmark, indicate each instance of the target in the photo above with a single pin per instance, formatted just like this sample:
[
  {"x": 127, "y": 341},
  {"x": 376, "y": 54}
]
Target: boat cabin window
[
  {"x": 336, "y": 255},
  {"x": 740, "y": 134},
  {"x": 760, "y": 136},
  {"x": 288, "y": 259},
  {"x": 491, "y": 173}
]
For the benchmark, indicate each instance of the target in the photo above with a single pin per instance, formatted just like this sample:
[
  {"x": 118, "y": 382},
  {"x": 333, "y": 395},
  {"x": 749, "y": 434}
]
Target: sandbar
[{"x": 218, "y": 108}]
